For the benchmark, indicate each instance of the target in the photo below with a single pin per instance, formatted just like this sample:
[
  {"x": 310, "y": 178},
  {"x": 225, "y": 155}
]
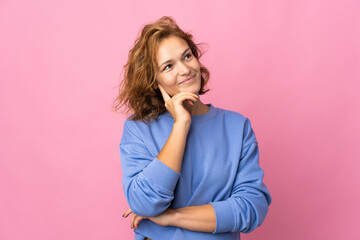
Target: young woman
[{"x": 190, "y": 170}]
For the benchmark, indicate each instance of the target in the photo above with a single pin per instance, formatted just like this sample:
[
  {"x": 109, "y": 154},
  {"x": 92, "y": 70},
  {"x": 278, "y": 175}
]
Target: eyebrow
[{"x": 170, "y": 59}]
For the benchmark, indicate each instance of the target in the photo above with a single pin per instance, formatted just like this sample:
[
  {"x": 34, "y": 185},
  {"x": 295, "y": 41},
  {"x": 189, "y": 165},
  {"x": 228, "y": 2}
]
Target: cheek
[
  {"x": 169, "y": 84},
  {"x": 196, "y": 63},
  {"x": 169, "y": 80}
]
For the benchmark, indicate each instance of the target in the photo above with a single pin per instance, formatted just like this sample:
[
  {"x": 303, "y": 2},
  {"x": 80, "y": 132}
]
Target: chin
[{"x": 193, "y": 88}]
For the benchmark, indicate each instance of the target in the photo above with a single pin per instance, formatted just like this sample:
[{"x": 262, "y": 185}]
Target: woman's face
[{"x": 176, "y": 63}]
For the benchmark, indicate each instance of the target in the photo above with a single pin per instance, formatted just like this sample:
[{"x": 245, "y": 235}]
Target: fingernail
[{"x": 123, "y": 215}]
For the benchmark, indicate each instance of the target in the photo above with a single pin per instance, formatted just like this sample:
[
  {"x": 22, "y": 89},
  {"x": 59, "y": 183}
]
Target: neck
[{"x": 198, "y": 108}]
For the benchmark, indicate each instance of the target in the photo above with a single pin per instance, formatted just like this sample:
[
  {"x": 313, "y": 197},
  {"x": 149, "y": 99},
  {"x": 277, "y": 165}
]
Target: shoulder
[
  {"x": 133, "y": 125},
  {"x": 237, "y": 120},
  {"x": 233, "y": 116},
  {"x": 140, "y": 126}
]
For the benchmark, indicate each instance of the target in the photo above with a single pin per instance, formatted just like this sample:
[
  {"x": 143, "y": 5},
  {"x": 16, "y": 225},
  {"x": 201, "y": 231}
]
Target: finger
[
  {"x": 136, "y": 223},
  {"x": 190, "y": 94},
  {"x": 127, "y": 213},
  {"x": 164, "y": 93},
  {"x": 166, "y": 96},
  {"x": 183, "y": 98},
  {"x": 133, "y": 217},
  {"x": 185, "y": 93}
]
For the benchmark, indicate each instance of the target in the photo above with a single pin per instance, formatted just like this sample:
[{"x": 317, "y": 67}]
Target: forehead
[{"x": 170, "y": 48}]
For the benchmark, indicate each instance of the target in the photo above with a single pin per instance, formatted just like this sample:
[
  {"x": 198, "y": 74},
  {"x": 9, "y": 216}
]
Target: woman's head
[
  {"x": 158, "y": 42},
  {"x": 176, "y": 64}
]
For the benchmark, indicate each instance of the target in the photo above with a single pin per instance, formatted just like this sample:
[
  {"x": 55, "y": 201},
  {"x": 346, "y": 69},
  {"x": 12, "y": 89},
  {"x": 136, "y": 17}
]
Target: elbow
[
  {"x": 145, "y": 201},
  {"x": 148, "y": 209},
  {"x": 256, "y": 221},
  {"x": 254, "y": 215}
]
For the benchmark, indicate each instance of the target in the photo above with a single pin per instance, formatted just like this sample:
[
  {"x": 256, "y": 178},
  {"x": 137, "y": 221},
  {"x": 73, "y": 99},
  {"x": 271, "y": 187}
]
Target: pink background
[{"x": 292, "y": 67}]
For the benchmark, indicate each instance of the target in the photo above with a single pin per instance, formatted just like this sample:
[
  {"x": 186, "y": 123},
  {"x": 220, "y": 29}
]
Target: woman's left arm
[
  {"x": 200, "y": 218},
  {"x": 247, "y": 205},
  {"x": 249, "y": 201}
]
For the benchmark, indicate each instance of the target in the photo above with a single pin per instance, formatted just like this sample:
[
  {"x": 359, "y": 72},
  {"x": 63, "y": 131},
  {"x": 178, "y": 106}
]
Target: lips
[{"x": 186, "y": 80}]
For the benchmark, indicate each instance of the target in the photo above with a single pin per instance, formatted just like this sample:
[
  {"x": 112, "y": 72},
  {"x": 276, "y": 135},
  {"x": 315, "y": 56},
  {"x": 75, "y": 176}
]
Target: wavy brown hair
[{"x": 138, "y": 89}]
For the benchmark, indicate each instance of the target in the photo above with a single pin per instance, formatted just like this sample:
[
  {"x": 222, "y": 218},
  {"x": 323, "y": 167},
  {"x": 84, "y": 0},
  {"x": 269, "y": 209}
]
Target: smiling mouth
[{"x": 188, "y": 80}]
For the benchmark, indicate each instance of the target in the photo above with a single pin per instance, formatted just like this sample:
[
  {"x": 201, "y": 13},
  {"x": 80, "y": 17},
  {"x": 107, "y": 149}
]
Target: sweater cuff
[
  {"x": 161, "y": 174},
  {"x": 225, "y": 216}
]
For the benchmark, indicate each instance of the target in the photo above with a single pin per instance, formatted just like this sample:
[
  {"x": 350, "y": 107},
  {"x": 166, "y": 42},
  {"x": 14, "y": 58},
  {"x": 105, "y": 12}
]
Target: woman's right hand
[{"x": 175, "y": 104}]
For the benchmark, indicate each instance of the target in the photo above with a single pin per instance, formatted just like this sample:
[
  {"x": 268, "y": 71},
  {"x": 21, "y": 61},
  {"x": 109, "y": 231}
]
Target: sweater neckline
[{"x": 195, "y": 118}]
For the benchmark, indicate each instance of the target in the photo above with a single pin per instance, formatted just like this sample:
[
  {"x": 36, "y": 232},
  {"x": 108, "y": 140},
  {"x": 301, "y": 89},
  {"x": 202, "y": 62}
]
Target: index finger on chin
[{"x": 164, "y": 93}]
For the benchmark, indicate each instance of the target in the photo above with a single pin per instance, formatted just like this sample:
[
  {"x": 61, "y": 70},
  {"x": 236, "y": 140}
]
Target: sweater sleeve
[
  {"x": 247, "y": 206},
  {"x": 147, "y": 182}
]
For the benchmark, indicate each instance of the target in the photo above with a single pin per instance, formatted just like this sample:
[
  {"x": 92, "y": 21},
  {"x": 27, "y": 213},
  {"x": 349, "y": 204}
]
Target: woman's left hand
[
  {"x": 164, "y": 219},
  {"x": 135, "y": 219}
]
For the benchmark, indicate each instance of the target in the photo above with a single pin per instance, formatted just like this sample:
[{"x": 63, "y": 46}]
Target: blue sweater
[{"x": 220, "y": 166}]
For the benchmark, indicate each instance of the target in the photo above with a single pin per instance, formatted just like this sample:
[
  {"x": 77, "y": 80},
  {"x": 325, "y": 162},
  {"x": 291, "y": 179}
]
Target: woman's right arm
[
  {"x": 148, "y": 181},
  {"x": 172, "y": 153}
]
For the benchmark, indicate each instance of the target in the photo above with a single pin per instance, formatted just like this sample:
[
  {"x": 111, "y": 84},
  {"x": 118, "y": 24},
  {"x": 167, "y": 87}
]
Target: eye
[
  {"x": 188, "y": 55},
  {"x": 166, "y": 66}
]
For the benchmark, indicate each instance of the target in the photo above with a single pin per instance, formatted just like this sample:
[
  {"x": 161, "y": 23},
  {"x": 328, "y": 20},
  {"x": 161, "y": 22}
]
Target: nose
[{"x": 184, "y": 69}]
